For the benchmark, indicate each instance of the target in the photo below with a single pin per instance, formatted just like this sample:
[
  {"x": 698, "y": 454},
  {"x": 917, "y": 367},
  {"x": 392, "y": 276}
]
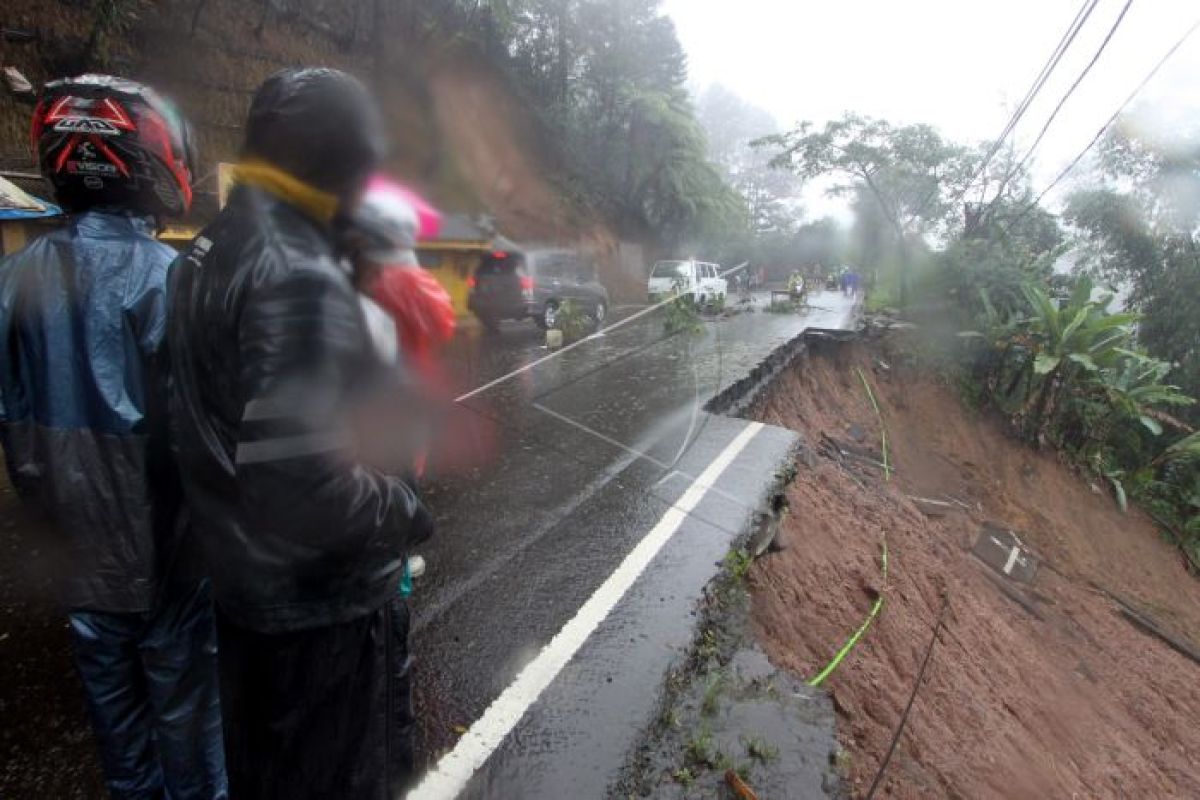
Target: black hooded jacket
[{"x": 269, "y": 349}]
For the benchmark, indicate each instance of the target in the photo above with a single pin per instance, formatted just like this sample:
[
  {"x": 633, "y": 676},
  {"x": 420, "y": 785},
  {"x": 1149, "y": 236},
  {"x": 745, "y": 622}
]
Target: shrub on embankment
[{"x": 1066, "y": 371}]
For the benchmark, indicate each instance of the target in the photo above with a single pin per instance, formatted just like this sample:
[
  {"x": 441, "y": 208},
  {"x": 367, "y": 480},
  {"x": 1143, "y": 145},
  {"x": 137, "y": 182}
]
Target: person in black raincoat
[
  {"x": 82, "y": 424},
  {"x": 270, "y": 354}
]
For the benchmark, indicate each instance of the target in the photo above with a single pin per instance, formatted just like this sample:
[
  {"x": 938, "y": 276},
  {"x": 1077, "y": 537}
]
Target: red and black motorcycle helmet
[{"x": 105, "y": 141}]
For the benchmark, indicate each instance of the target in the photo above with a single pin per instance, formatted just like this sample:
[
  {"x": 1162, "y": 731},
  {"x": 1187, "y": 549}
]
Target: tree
[
  {"x": 1141, "y": 230},
  {"x": 669, "y": 184},
  {"x": 1009, "y": 248},
  {"x": 909, "y": 170},
  {"x": 872, "y": 238},
  {"x": 731, "y": 124},
  {"x": 607, "y": 78},
  {"x": 769, "y": 193}
]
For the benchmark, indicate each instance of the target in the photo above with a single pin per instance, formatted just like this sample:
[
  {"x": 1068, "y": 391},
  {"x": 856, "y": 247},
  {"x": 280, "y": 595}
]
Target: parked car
[
  {"x": 699, "y": 277},
  {"x": 532, "y": 283}
]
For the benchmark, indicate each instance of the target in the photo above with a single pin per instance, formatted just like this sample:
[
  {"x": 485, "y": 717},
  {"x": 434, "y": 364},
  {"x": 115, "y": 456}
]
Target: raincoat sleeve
[
  {"x": 21, "y": 458},
  {"x": 300, "y": 348},
  {"x": 146, "y": 313},
  {"x": 6, "y": 303},
  {"x": 9, "y": 387}
]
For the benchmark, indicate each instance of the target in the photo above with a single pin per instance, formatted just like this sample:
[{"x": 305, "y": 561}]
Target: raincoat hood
[{"x": 320, "y": 126}]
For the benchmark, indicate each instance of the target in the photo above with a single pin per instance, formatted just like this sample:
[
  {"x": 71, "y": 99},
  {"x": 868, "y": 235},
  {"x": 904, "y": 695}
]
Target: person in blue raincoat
[{"x": 83, "y": 428}]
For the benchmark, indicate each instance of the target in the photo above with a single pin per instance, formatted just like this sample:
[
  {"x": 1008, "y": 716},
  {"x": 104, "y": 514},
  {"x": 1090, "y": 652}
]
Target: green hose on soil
[
  {"x": 887, "y": 467},
  {"x": 878, "y": 605},
  {"x": 846, "y": 648}
]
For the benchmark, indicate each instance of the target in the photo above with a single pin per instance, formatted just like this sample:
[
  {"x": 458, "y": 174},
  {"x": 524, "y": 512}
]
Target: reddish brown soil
[
  {"x": 498, "y": 145},
  {"x": 491, "y": 134},
  {"x": 1076, "y": 703}
]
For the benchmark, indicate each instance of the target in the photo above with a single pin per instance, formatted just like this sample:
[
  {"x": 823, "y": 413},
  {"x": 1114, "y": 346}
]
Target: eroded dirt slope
[
  {"x": 1061, "y": 699},
  {"x": 459, "y": 130},
  {"x": 494, "y": 141}
]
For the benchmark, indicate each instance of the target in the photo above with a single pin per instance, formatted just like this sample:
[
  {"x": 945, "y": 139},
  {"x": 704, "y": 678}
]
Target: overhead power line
[
  {"x": 1057, "y": 108},
  {"x": 1060, "y": 49},
  {"x": 1081, "y": 17},
  {"x": 1075, "y": 85},
  {"x": 1108, "y": 123},
  {"x": 1113, "y": 119}
]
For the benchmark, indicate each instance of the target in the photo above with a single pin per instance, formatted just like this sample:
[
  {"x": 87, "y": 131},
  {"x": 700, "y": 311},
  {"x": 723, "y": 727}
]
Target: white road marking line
[
  {"x": 573, "y": 345},
  {"x": 455, "y": 769},
  {"x": 1012, "y": 560}
]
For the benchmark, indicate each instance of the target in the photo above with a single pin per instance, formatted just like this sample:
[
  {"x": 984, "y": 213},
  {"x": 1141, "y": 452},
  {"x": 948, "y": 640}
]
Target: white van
[{"x": 700, "y": 278}]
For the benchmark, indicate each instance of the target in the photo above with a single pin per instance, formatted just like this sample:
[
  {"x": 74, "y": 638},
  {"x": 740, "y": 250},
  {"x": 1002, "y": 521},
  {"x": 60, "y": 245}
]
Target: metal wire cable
[
  {"x": 1057, "y": 108},
  {"x": 1103, "y": 128},
  {"x": 1081, "y": 18},
  {"x": 911, "y": 698},
  {"x": 1068, "y": 37}
]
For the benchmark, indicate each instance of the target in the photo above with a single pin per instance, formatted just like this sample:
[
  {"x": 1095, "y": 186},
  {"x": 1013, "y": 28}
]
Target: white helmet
[{"x": 384, "y": 225}]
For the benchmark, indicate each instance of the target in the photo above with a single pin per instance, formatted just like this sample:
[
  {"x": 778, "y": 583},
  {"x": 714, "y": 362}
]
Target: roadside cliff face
[
  {"x": 460, "y": 131},
  {"x": 210, "y": 55}
]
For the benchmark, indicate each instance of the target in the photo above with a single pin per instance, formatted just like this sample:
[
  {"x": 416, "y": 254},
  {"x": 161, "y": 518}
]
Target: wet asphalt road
[{"x": 572, "y": 462}]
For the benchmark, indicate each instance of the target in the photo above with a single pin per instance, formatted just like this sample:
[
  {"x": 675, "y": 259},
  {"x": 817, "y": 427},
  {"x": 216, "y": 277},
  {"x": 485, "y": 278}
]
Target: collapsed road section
[
  {"x": 566, "y": 576},
  {"x": 1031, "y": 639}
]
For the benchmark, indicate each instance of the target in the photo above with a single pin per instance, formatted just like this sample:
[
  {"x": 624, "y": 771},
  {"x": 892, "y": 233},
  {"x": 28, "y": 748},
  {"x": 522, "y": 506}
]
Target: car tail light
[
  {"x": 526, "y": 283},
  {"x": 471, "y": 282}
]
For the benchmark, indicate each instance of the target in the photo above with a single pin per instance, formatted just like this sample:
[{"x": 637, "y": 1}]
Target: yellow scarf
[{"x": 317, "y": 204}]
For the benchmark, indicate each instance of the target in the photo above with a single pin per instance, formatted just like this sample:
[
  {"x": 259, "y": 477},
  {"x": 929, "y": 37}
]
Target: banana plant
[
  {"x": 1186, "y": 449},
  {"x": 1082, "y": 331},
  {"x": 1073, "y": 344},
  {"x": 1070, "y": 369},
  {"x": 1006, "y": 341},
  {"x": 1135, "y": 389},
  {"x": 1134, "y": 393}
]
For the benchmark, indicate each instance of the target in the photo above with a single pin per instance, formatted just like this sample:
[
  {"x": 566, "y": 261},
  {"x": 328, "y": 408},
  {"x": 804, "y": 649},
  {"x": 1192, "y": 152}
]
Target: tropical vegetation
[
  {"x": 1083, "y": 330},
  {"x": 1070, "y": 374}
]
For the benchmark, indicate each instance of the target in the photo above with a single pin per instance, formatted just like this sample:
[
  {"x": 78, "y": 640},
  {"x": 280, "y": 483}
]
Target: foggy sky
[{"x": 961, "y": 65}]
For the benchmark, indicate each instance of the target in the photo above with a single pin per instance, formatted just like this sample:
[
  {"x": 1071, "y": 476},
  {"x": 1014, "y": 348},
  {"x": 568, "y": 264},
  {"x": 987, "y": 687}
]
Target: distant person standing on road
[
  {"x": 83, "y": 426},
  {"x": 271, "y": 355}
]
